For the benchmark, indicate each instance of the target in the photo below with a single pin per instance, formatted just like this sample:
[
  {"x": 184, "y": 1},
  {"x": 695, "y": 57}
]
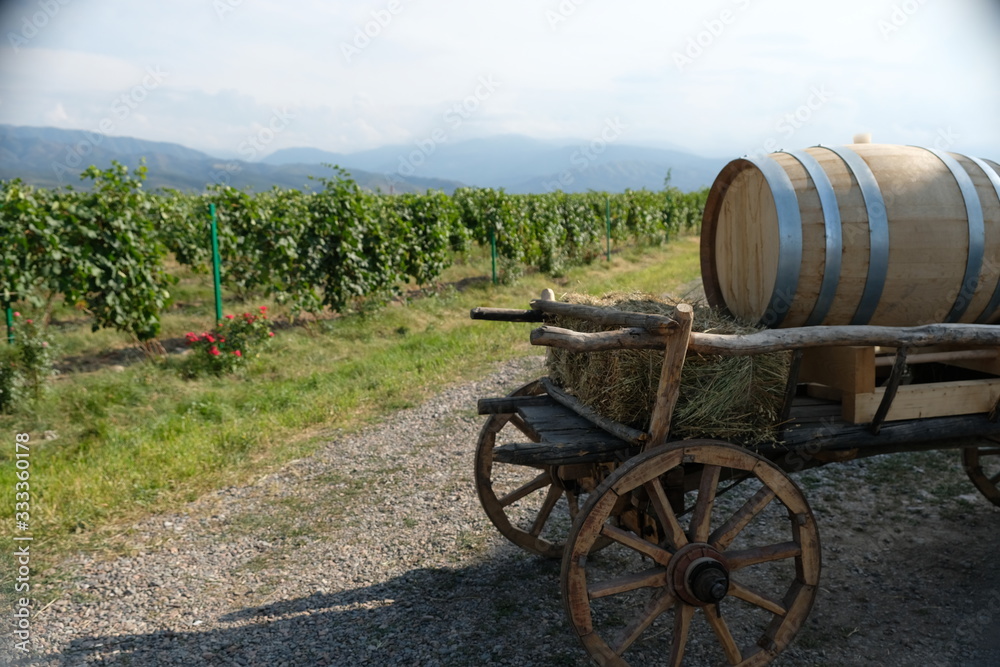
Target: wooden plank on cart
[
  {"x": 553, "y": 417},
  {"x": 508, "y": 404},
  {"x": 850, "y": 369},
  {"x": 848, "y": 374},
  {"x": 895, "y": 436},
  {"x": 565, "y": 436},
  {"x": 560, "y": 453},
  {"x": 918, "y": 401}
]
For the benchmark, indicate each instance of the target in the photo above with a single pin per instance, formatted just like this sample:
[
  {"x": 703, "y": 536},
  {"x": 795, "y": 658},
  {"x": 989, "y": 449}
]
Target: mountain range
[
  {"x": 524, "y": 165},
  {"x": 51, "y": 157}
]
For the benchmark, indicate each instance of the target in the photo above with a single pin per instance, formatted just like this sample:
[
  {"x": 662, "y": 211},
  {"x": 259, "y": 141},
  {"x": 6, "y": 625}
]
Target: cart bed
[{"x": 564, "y": 437}]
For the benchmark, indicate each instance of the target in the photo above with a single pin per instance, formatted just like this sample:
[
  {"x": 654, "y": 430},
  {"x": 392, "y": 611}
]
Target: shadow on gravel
[{"x": 433, "y": 616}]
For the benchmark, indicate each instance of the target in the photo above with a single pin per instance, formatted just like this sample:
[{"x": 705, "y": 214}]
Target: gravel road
[{"x": 375, "y": 551}]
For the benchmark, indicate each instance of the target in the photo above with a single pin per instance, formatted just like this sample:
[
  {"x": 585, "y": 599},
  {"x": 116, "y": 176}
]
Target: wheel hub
[{"x": 699, "y": 575}]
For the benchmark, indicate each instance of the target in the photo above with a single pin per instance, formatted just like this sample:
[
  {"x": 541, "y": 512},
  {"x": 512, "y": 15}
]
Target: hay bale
[{"x": 731, "y": 398}]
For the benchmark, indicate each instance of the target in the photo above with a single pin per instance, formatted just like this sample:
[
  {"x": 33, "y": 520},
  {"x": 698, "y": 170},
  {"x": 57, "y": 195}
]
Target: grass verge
[{"x": 130, "y": 438}]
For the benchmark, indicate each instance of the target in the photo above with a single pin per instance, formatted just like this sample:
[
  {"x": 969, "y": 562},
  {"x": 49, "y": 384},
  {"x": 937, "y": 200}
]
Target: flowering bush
[
  {"x": 235, "y": 341},
  {"x": 25, "y": 365}
]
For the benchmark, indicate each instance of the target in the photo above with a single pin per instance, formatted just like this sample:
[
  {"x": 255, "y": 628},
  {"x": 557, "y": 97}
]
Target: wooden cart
[{"x": 689, "y": 525}]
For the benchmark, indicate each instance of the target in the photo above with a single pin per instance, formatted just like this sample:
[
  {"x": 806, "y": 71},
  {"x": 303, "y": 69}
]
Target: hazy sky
[{"x": 718, "y": 77}]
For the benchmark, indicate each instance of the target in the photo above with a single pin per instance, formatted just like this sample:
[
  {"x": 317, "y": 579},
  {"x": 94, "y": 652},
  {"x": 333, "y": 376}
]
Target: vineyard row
[{"x": 103, "y": 249}]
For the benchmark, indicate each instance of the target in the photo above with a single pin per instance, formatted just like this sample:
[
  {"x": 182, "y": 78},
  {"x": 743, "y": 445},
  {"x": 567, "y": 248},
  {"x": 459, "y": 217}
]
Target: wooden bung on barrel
[{"x": 860, "y": 234}]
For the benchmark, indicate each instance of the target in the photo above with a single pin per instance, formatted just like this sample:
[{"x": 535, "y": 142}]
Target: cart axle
[
  {"x": 709, "y": 582},
  {"x": 699, "y": 575}
]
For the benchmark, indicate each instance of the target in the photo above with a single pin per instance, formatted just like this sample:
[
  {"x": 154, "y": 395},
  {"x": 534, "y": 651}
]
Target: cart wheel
[
  {"x": 533, "y": 507},
  {"x": 748, "y": 559},
  {"x": 982, "y": 465}
]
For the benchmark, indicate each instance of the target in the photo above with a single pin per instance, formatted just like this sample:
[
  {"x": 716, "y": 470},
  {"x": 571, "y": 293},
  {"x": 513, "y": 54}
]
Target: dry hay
[{"x": 731, "y": 398}]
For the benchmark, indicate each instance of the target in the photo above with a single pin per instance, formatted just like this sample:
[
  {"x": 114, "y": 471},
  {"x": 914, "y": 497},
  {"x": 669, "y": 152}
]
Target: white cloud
[{"x": 940, "y": 65}]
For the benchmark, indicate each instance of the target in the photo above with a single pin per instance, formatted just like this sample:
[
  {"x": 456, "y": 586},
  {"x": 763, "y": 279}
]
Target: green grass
[{"x": 144, "y": 439}]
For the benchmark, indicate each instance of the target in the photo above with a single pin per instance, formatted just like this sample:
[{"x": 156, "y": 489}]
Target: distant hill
[
  {"x": 522, "y": 164},
  {"x": 52, "y": 157}
]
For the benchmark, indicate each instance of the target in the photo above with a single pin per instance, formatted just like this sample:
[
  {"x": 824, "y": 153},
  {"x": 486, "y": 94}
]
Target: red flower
[
  {"x": 17, "y": 314},
  {"x": 271, "y": 334},
  {"x": 210, "y": 338},
  {"x": 237, "y": 353},
  {"x": 263, "y": 309},
  {"x": 214, "y": 351},
  {"x": 229, "y": 317},
  {"x": 29, "y": 321}
]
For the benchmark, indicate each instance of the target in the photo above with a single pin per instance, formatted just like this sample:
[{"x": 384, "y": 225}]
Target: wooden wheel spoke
[
  {"x": 746, "y": 557},
  {"x": 574, "y": 504},
  {"x": 989, "y": 451},
  {"x": 652, "y": 578},
  {"x": 626, "y": 605},
  {"x": 980, "y": 476},
  {"x": 683, "y": 614},
  {"x": 632, "y": 541},
  {"x": 727, "y": 532},
  {"x": 658, "y": 498},
  {"x": 551, "y": 498},
  {"x": 725, "y": 637},
  {"x": 765, "y": 602},
  {"x": 701, "y": 518},
  {"x": 539, "y": 482},
  {"x": 658, "y": 604}
]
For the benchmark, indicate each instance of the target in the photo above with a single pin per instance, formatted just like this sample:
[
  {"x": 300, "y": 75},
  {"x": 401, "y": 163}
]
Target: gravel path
[{"x": 375, "y": 551}]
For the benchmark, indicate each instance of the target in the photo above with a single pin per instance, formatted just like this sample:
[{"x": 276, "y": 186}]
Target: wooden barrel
[{"x": 859, "y": 234}]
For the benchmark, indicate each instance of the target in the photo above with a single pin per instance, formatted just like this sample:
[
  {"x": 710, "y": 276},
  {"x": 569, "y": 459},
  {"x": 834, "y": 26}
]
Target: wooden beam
[
  {"x": 934, "y": 399},
  {"x": 624, "y": 339},
  {"x": 506, "y": 315},
  {"x": 670, "y": 377},
  {"x": 940, "y": 357},
  {"x": 773, "y": 340},
  {"x": 559, "y": 453},
  {"x": 606, "y": 316},
  {"x": 895, "y": 436}
]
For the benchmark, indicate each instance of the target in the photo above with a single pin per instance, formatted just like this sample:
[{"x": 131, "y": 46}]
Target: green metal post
[
  {"x": 493, "y": 253},
  {"x": 216, "y": 262},
  {"x": 607, "y": 220},
  {"x": 10, "y": 325}
]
